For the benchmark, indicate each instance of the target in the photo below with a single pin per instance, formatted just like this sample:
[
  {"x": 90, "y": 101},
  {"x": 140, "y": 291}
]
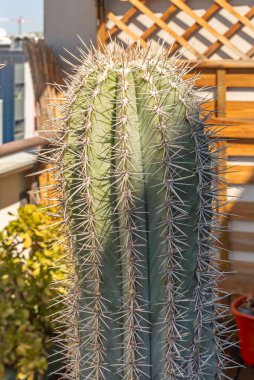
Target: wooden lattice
[
  {"x": 136, "y": 21},
  {"x": 128, "y": 28}
]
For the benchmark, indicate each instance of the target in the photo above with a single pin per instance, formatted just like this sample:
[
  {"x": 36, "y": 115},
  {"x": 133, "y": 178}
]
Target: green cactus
[{"x": 138, "y": 189}]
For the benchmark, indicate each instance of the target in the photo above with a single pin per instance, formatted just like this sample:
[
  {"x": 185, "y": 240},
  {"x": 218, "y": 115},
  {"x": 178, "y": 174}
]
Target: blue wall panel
[{"x": 7, "y": 94}]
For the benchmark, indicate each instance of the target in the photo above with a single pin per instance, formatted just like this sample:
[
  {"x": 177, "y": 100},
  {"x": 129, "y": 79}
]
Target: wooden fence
[{"x": 238, "y": 141}]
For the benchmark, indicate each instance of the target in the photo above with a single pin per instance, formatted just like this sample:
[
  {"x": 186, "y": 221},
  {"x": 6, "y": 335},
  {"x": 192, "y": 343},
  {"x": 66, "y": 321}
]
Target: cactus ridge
[{"x": 138, "y": 188}]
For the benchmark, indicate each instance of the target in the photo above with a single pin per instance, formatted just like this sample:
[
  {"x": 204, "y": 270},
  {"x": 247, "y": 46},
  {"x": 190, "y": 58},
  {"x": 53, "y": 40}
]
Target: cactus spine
[{"x": 136, "y": 174}]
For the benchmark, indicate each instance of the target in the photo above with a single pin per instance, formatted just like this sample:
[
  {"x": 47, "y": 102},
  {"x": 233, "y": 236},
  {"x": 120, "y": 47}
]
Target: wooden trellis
[
  {"x": 141, "y": 21},
  {"x": 111, "y": 24}
]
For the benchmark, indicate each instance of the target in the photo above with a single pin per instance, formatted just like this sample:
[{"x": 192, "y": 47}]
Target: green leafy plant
[
  {"x": 136, "y": 171},
  {"x": 26, "y": 273}
]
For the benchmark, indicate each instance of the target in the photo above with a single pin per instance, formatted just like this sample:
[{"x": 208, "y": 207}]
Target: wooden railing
[{"x": 21, "y": 145}]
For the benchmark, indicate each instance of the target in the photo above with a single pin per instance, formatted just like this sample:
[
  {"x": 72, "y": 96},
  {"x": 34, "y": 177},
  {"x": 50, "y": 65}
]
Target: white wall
[
  {"x": 7, "y": 214},
  {"x": 65, "y": 19},
  {"x": 15, "y": 181},
  {"x": 29, "y": 106}
]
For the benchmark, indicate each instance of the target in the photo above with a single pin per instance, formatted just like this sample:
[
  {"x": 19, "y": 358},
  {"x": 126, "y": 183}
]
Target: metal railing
[{"x": 21, "y": 145}]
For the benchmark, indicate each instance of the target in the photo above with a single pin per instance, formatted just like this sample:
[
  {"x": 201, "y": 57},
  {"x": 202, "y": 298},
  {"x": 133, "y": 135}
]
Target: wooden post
[
  {"x": 222, "y": 165},
  {"x": 224, "y": 239},
  {"x": 101, "y": 25},
  {"x": 221, "y": 93}
]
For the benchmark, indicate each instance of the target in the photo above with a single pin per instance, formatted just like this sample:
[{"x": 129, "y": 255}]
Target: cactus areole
[{"x": 136, "y": 173}]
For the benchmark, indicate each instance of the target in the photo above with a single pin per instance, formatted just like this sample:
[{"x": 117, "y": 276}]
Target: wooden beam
[
  {"x": 221, "y": 64},
  {"x": 241, "y": 241},
  {"x": 240, "y": 174},
  {"x": 242, "y": 280},
  {"x": 250, "y": 53},
  {"x": 101, "y": 30},
  {"x": 121, "y": 25},
  {"x": 165, "y": 27},
  {"x": 242, "y": 211},
  {"x": 242, "y": 267},
  {"x": 232, "y": 79},
  {"x": 221, "y": 92},
  {"x": 241, "y": 149},
  {"x": 240, "y": 79},
  {"x": 234, "y": 128},
  {"x": 221, "y": 170},
  {"x": 204, "y": 80},
  {"x": 237, "y": 109},
  {"x": 238, "y": 283}
]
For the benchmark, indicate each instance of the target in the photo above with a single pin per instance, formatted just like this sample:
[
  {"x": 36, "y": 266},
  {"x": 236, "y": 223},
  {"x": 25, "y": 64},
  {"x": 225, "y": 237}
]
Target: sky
[{"x": 31, "y": 10}]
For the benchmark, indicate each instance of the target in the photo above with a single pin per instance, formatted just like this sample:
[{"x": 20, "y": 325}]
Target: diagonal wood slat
[
  {"x": 209, "y": 28},
  {"x": 245, "y": 21},
  {"x": 169, "y": 12},
  {"x": 125, "y": 29},
  {"x": 165, "y": 27},
  {"x": 229, "y": 33},
  {"x": 180, "y": 40},
  {"x": 127, "y": 16},
  {"x": 124, "y": 19},
  {"x": 251, "y": 52},
  {"x": 193, "y": 28}
]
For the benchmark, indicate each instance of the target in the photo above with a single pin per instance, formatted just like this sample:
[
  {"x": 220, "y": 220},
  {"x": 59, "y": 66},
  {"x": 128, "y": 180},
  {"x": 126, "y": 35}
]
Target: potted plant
[
  {"x": 243, "y": 310},
  {"x": 26, "y": 322}
]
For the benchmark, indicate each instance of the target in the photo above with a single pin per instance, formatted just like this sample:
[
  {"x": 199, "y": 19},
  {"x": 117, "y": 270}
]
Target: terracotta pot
[{"x": 245, "y": 324}]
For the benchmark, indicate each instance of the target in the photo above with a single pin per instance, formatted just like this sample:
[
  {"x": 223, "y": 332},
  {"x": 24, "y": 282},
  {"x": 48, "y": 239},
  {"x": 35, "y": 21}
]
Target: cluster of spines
[
  {"x": 206, "y": 273},
  {"x": 211, "y": 312},
  {"x": 86, "y": 239},
  {"x": 81, "y": 235},
  {"x": 203, "y": 301}
]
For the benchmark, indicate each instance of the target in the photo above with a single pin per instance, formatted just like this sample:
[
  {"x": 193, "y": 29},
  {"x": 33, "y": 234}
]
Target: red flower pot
[{"x": 245, "y": 324}]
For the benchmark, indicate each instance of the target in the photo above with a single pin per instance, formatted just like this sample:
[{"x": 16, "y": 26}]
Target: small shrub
[{"x": 26, "y": 317}]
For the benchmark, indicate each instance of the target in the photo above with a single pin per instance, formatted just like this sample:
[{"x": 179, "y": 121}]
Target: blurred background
[{"x": 216, "y": 38}]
